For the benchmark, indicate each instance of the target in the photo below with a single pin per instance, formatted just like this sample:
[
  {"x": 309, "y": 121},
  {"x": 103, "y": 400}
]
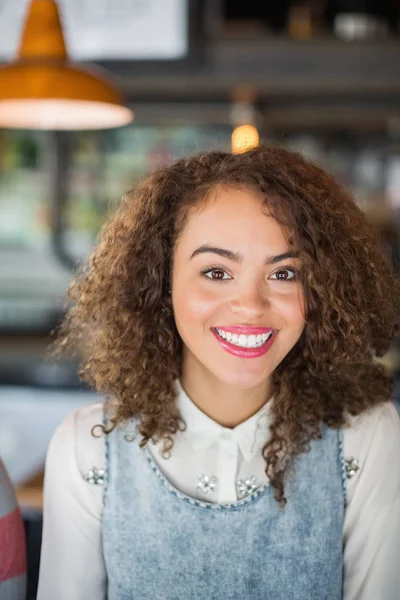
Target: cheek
[
  {"x": 292, "y": 309},
  {"x": 196, "y": 306}
]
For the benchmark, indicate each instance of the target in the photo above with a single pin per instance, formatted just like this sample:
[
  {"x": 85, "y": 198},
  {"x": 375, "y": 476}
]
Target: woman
[{"x": 232, "y": 313}]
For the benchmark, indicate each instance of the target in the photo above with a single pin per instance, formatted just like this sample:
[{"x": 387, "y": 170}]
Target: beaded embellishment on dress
[
  {"x": 206, "y": 484},
  {"x": 351, "y": 466},
  {"x": 246, "y": 487},
  {"x": 95, "y": 476}
]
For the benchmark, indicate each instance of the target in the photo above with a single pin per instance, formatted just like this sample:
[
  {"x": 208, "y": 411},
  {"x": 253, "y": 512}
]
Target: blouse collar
[{"x": 202, "y": 431}]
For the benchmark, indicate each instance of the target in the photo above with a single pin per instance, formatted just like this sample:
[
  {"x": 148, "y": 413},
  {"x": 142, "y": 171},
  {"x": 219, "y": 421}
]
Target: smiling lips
[{"x": 245, "y": 342}]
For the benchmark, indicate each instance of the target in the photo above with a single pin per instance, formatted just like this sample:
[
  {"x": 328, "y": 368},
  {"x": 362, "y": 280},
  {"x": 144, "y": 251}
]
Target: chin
[{"x": 242, "y": 380}]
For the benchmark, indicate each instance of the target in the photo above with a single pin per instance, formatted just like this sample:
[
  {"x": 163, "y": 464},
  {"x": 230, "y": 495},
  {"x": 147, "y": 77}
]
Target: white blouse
[{"x": 72, "y": 565}]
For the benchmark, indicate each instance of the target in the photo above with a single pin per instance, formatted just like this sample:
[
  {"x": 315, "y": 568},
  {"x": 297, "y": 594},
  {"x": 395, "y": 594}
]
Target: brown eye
[
  {"x": 216, "y": 274},
  {"x": 284, "y": 275}
]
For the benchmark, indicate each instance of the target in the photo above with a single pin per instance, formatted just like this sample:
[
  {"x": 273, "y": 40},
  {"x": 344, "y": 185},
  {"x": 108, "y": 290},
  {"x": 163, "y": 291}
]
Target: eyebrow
[{"x": 237, "y": 257}]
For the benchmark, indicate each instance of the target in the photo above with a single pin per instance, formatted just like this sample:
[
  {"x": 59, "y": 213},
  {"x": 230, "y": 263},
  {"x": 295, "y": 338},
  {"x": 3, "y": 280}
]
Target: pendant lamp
[{"x": 42, "y": 89}]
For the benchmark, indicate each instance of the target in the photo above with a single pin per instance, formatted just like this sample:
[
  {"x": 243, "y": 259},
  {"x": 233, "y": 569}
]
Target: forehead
[
  {"x": 233, "y": 215},
  {"x": 231, "y": 200}
]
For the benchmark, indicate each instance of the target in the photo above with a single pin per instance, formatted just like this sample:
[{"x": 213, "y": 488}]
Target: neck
[{"x": 226, "y": 405}]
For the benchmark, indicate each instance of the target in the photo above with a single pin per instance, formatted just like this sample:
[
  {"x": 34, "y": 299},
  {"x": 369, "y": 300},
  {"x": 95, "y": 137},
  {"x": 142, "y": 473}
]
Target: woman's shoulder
[
  {"x": 370, "y": 440},
  {"x": 75, "y": 433},
  {"x": 381, "y": 417},
  {"x": 72, "y": 454},
  {"x": 87, "y": 417}
]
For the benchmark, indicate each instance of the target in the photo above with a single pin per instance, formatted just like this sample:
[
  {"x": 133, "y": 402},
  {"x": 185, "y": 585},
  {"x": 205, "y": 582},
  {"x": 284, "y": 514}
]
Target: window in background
[
  {"x": 105, "y": 165},
  {"x": 24, "y": 189}
]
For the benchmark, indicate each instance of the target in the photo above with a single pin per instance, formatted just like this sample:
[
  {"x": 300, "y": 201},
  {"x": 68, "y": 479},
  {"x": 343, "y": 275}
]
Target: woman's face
[{"x": 237, "y": 301}]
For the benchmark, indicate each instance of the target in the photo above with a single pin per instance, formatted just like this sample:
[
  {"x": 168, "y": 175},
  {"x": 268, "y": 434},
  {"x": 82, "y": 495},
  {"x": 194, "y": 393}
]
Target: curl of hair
[{"x": 121, "y": 324}]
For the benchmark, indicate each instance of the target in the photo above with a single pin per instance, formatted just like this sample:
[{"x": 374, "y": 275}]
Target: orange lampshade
[{"x": 41, "y": 89}]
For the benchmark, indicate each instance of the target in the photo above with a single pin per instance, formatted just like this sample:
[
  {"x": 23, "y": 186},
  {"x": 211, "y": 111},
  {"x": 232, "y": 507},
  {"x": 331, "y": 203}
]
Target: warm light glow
[
  {"x": 41, "y": 89},
  {"x": 244, "y": 138},
  {"x": 62, "y": 114}
]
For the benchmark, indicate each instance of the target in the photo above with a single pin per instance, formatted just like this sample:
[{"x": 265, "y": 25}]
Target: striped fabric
[{"x": 12, "y": 543}]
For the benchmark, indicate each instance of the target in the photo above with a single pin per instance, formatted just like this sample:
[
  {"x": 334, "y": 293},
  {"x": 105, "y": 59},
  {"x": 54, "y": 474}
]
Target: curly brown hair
[{"x": 121, "y": 325}]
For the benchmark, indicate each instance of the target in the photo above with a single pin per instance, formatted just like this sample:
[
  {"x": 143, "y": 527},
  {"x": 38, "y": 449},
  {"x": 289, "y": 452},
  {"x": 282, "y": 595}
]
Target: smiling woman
[{"x": 232, "y": 314}]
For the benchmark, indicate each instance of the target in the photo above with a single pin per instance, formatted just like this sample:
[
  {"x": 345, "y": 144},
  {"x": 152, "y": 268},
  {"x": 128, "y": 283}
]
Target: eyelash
[{"x": 211, "y": 269}]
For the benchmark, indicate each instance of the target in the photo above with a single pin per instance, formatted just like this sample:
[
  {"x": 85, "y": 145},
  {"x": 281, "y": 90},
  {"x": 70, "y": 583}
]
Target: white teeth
[{"x": 245, "y": 341}]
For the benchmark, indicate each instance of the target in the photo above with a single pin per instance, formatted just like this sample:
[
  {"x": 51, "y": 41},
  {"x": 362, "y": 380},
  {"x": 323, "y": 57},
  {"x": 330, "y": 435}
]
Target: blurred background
[{"x": 319, "y": 76}]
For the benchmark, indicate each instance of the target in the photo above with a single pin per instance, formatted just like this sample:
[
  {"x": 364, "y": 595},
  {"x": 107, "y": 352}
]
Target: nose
[{"x": 250, "y": 302}]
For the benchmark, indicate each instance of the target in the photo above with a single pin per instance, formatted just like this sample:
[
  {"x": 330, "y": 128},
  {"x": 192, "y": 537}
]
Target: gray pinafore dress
[{"x": 160, "y": 544}]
